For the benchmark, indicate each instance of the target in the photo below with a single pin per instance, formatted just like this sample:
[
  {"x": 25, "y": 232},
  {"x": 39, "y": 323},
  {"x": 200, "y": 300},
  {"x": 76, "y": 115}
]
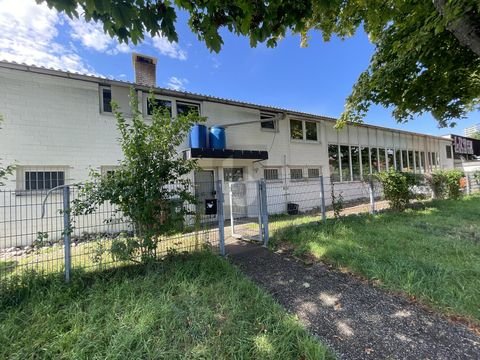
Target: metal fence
[{"x": 59, "y": 241}]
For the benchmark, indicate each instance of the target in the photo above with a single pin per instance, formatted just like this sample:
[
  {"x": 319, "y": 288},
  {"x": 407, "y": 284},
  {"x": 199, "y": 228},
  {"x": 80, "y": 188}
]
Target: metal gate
[{"x": 245, "y": 210}]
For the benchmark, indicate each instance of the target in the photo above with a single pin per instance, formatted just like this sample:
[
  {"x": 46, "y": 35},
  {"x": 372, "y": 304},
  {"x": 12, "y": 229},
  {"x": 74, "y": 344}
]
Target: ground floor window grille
[
  {"x": 270, "y": 174},
  {"x": 43, "y": 180},
  {"x": 313, "y": 173},
  {"x": 296, "y": 174}
]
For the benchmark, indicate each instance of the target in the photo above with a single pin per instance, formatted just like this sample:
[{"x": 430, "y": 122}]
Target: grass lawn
[
  {"x": 431, "y": 254},
  {"x": 187, "y": 307}
]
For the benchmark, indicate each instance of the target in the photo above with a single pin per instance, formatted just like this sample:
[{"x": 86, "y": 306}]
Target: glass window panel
[
  {"x": 390, "y": 159},
  {"x": 422, "y": 161},
  {"x": 398, "y": 160},
  {"x": 159, "y": 104},
  {"x": 313, "y": 173},
  {"x": 296, "y": 129},
  {"x": 405, "y": 160},
  {"x": 187, "y": 108},
  {"x": 410, "y": 160},
  {"x": 296, "y": 174},
  {"x": 107, "y": 100},
  {"x": 374, "y": 157},
  {"x": 333, "y": 162},
  {"x": 43, "y": 180},
  {"x": 355, "y": 153},
  {"x": 417, "y": 161},
  {"x": 345, "y": 163},
  {"x": 449, "y": 151},
  {"x": 311, "y": 131},
  {"x": 270, "y": 174},
  {"x": 233, "y": 174},
  {"x": 382, "y": 161},
  {"x": 365, "y": 161}
]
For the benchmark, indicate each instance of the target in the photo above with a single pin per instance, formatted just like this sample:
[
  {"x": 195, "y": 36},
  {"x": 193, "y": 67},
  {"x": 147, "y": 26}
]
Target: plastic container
[
  {"x": 217, "y": 138},
  {"x": 198, "y": 137}
]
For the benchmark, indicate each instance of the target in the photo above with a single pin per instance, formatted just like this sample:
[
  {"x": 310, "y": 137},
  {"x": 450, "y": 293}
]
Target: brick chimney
[{"x": 145, "y": 70}]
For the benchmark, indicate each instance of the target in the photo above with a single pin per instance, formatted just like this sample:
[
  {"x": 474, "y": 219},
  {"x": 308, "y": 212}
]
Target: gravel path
[{"x": 357, "y": 320}]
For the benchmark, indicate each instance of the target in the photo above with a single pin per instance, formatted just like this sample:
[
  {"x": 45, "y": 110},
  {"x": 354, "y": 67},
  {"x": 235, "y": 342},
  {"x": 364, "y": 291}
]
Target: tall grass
[
  {"x": 431, "y": 254},
  {"x": 188, "y": 307}
]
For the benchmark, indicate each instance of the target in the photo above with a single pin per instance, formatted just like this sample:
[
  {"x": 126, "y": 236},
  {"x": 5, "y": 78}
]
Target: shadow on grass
[{"x": 7, "y": 267}]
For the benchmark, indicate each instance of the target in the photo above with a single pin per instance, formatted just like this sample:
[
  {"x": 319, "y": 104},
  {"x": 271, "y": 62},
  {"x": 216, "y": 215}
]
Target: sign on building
[{"x": 462, "y": 145}]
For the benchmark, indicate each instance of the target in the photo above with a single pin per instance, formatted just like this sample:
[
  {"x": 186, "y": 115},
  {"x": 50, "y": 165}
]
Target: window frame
[
  {"x": 304, "y": 131},
  {"x": 21, "y": 177},
  {"x": 269, "y": 118},
  {"x": 233, "y": 168},
  {"x": 272, "y": 169},
  {"x": 319, "y": 169},
  {"x": 102, "y": 108},
  {"x": 448, "y": 151},
  {"x": 302, "y": 178},
  {"x": 198, "y": 105}
]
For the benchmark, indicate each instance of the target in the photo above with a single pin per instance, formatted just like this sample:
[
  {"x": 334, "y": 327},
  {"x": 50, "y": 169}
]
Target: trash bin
[{"x": 292, "y": 209}]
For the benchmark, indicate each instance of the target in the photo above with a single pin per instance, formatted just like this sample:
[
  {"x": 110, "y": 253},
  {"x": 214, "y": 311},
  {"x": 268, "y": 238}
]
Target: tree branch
[{"x": 463, "y": 29}]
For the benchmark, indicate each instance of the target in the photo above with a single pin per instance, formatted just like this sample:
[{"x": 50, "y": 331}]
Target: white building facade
[{"x": 58, "y": 125}]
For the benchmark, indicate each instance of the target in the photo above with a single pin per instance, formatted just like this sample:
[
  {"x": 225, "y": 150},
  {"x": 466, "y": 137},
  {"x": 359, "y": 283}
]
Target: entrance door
[{"x": 204, "y": 188}]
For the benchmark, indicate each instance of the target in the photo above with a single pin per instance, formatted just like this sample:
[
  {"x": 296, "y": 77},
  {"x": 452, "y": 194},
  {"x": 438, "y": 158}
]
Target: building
[
  {"x": 58, "y": 125},
  {"x": 465, "y": 153},
  {"x": 471, "y": 130}
]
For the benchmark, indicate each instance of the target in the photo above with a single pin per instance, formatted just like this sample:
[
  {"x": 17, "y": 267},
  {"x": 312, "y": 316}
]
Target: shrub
[
  {"x": 445, "y": 183},
  {"x": 397, "y": 187}
]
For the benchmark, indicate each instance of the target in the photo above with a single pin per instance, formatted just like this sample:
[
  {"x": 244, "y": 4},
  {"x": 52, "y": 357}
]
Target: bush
[
  {"x": 445, "y": 183},
  {"x": 397, "y": 187}
]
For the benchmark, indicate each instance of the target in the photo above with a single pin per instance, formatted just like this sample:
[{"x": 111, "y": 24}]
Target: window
[
  {"x": 355, "y": 154},
  {"x": 345, "y": 163},
  {"x": 233, "y": 174},
  {"x": 184, "y": 108},
  {"x": 422, "y": 161},
  {"x": 313, "y": 173},
  {"x": 448, "y": 148},
  {"x": 159, "y": 104},
  {"x": 398, "y": 160},
  {"x": 108, "y": 169},
  {"x": 296, "y": 174},
  {"x": 270, "y": 174},
  {"x": 303, "y": 130},
  {"x": 390, "y": 159},
  {"x": 410, "y": 160},
  {"x": 268, "y": 122},
  {"x": 404, "y": 160},
  {"x": 382, "y": 162},
  {"x": 311, "y": 131},
  {"x": 296, "y": 129},
  {"x": 365, "y": 161},
  {"x": 106, "y": 100},
  {"x": 417, "y": 162},
  {"x": 374, "y": 155},
  {"x": 43, "y": 180},
  {"x": 333, "y": 162}
]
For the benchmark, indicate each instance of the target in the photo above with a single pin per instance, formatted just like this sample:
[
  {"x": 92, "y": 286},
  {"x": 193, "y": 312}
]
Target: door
[{"x": 204, "y": 188}]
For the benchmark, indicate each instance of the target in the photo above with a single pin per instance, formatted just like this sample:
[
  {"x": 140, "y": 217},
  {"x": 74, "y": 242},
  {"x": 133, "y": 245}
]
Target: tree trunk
[{"x": 464, "y": 29}]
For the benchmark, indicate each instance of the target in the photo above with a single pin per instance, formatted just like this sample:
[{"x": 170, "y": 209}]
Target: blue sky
[{"x": 316, "y": 79}]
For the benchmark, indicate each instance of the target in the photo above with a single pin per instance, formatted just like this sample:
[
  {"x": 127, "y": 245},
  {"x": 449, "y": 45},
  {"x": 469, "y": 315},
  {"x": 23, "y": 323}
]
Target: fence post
[
  {"x": 467, "y": 179},
  {"x": 221, "y": 217},
  {"x": 230, "y": 196},
  {"x": 66, "y": 231},
  {"x": 322, "y": 191},
  {"x": 372, "y": 196},
  {"x": 264, "y": 211}
]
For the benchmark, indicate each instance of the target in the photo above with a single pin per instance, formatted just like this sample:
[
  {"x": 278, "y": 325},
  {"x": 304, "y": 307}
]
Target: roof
[{"x": 186, "y": 95}]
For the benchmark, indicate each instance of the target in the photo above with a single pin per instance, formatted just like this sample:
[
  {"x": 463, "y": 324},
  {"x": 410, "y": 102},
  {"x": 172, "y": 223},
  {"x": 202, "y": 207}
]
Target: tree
[
  {"x": 5, "y": 170},
  {"x": 150, "y": 186},
  {"x": 427, "y": 53},
  {"x": 475, "y": 135}
]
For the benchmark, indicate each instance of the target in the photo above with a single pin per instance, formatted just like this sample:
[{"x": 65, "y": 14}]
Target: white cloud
[
  {"x": 176, "y": 83},
  {"x": 168, "y": 48},
  {"x": 28, "y": 33},
  {"x": 91, "y": 35}
]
